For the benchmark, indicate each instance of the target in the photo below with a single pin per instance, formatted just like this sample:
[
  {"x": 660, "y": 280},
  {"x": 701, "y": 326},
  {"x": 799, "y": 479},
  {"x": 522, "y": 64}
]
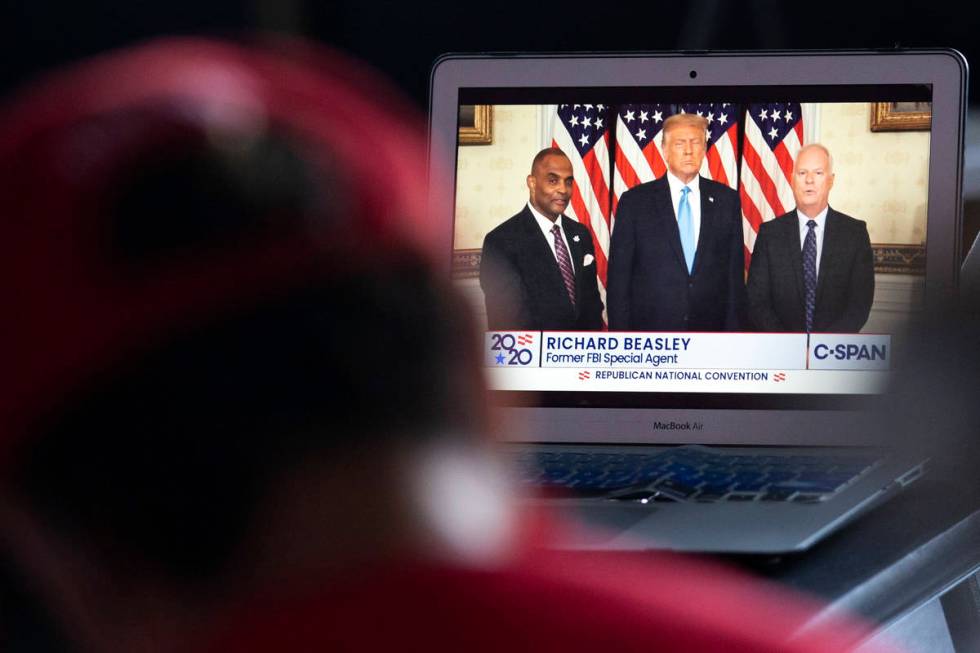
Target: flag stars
[
  {"x": 773, "y": 133},
  {"x": 600, "y": 107},
  {"x": 574, "y": 121},
  {"x": 723, "y": 118},
  {"x": 763, "y": 115},
  {"x": 589, "y": 107},
  {"x": 641, "y": 135},
  {"x": 598, "y": 123},
  {"x": 711, "y": 118},
  {"x": 644, "y": 116},
  {"x": 587, "y": 122},
  {"x": 658, "y": 116},
  {"x": 630, "y": 116},
  {"x": 584, "y": 140},
  {"x": 789, "y": 116}
]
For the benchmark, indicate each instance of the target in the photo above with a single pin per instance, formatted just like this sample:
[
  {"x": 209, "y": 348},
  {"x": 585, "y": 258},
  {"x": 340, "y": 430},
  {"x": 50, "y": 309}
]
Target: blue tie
[
  {"x": 685, "y": 223},
  {"x": 810, "y": 273}
]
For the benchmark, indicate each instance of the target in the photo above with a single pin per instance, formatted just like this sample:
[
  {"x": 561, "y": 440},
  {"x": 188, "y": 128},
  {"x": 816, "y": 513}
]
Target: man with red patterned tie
[{"x": 538, "y": 268}]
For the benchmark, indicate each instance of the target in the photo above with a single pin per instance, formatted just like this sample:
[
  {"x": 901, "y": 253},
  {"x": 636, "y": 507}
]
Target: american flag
[
  {"x": 773, "y": 137},
  {"x": 639, "y": 152},
  {"x": 581, "y": 131},
  {"x": 721, "y": 159}
]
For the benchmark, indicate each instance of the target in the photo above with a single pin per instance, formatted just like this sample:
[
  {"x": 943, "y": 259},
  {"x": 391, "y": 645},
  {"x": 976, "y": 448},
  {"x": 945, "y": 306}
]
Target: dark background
[{"x": 403, "y": 38}]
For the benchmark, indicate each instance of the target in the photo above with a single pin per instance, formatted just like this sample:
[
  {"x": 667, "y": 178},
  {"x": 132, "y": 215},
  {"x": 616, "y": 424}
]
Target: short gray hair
[{"x": 817, "y": 146}]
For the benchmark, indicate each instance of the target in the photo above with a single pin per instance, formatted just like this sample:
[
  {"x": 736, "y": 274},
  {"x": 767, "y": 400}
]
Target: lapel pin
[
  {"x": 575, "y": 238},
  {"x": 710, "y": 198}
]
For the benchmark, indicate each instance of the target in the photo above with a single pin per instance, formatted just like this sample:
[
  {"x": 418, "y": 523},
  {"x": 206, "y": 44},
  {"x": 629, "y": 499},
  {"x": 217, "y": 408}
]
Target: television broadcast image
[{"x": 681, "y": 258}]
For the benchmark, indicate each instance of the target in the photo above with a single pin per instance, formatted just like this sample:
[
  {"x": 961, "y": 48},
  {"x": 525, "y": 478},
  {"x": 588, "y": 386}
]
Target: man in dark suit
[
  {"x": 676, "y": 258},
  {"x": 812, "y": 269},
  {"x": 538, "y": 268}
]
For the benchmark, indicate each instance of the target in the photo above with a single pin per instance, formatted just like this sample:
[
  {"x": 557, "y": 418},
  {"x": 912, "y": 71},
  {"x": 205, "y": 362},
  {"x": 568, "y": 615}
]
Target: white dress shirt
[
  {"x": 693, "y": 199},
  {"x": 546, "y": 226},
  {"x": 821, "y": 220}
]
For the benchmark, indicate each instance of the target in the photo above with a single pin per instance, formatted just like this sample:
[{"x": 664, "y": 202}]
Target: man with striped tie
[
  {"x": 676, "y": 259},
  {"x": 812, "y": 269},
  {"x": 538, "y": 268}
]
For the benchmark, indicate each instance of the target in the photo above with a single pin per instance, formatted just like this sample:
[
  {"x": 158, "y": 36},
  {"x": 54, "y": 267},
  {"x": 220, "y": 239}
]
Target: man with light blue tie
[
  {"x": 676, "y": 259},
  {"x": 812, "y": 268}
]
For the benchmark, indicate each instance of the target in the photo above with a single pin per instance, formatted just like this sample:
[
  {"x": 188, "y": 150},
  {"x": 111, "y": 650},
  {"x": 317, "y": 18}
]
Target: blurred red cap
[{"x": 71, "y": 312}]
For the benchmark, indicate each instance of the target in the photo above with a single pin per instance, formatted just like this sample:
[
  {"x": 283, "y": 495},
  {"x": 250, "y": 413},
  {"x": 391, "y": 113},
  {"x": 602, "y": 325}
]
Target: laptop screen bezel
[{"x": 801, "y": 420}]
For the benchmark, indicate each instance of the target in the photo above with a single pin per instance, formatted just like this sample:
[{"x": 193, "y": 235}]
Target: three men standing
[{"x": 676, "y": 259}]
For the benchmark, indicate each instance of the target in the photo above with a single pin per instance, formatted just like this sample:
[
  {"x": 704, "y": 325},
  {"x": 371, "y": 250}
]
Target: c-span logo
[
  {"x": 849, "y": 352},
  {"x": 583, "y": 375}
]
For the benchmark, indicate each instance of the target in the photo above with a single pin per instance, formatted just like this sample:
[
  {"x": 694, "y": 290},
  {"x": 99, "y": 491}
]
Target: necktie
[
  {"x": 810, "y": 273},
  {"x": 685, "y": 223},
  {"x": 564, "y": 263}
]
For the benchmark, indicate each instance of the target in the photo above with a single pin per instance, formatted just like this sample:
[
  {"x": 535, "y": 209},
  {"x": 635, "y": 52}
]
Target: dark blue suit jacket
[
  {"x": 649, "y": 288},
  {"x": 522, "y": 284},
  {"x": 845, "y": 285}
]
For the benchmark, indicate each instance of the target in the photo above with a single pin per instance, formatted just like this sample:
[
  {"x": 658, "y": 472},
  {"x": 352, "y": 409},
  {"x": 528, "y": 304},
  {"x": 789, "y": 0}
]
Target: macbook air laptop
[{"x": 665, "y": 419}]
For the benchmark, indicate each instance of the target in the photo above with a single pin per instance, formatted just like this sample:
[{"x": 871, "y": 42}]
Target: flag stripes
[{"x": 612, "y": 149}]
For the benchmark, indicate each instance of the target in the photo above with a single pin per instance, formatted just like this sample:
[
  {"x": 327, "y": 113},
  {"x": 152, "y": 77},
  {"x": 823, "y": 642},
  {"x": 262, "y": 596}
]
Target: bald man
[
  {"x": 812, "y": 269},
  {"x": 538, "y": 269}
]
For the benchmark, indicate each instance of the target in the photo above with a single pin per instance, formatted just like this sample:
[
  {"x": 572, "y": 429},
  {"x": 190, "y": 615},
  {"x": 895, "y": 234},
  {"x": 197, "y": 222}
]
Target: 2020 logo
[{"x": 511, "y": 349}]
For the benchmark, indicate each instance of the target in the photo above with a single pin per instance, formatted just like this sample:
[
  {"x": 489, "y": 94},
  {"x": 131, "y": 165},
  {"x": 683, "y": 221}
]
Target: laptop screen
[{"x": 673, "y": 258}]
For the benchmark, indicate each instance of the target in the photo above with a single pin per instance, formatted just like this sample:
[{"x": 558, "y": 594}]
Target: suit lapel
[
  {"x": 576, "y": 251},
  {"x": 707, "y": 226},
  {"x": 541, "y": 259},
  {"x": 830, "y": 251},
  {"x": 791, "y": 236},
  {"x": 664, "y": 207}
]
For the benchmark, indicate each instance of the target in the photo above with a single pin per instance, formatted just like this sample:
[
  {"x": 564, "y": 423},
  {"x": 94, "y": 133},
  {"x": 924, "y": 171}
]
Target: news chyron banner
[{"x": 688, "y": 362}]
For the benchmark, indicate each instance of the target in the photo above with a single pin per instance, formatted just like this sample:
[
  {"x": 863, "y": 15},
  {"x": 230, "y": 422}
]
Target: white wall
[
  {"x": 880, "y": 177},
  {"x": 491, "y": 181}
]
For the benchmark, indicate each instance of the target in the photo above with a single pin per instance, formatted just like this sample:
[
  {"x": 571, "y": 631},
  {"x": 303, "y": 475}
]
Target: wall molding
[
  {"x": 466, "y": 263},
  {"x": 888, "y": 259},
  {"x": 900, "y": 259}
]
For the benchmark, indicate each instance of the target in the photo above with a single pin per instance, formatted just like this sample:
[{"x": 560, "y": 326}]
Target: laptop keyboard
[{"x": 694, "y": 473}]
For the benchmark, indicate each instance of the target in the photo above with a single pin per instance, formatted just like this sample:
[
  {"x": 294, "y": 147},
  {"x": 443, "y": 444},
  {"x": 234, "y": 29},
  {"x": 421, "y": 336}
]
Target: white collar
[
  {"x": 820, "y": 218},
  {"x": 676, "y": 184},
  {"x": 542, "y": 221}
]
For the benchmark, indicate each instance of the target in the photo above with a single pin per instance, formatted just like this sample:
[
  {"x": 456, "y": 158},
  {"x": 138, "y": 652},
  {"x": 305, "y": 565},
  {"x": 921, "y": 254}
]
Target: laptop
[{"x": 720, "y": 437}]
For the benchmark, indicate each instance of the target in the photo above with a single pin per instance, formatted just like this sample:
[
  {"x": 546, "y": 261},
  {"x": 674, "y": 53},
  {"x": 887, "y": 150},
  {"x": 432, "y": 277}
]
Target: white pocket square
[{"x": 587, "y": 260}]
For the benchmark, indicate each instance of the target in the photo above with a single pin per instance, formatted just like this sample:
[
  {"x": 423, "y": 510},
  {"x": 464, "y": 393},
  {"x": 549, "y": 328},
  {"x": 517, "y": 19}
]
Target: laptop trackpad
[{"x": 602, "y": 523}]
